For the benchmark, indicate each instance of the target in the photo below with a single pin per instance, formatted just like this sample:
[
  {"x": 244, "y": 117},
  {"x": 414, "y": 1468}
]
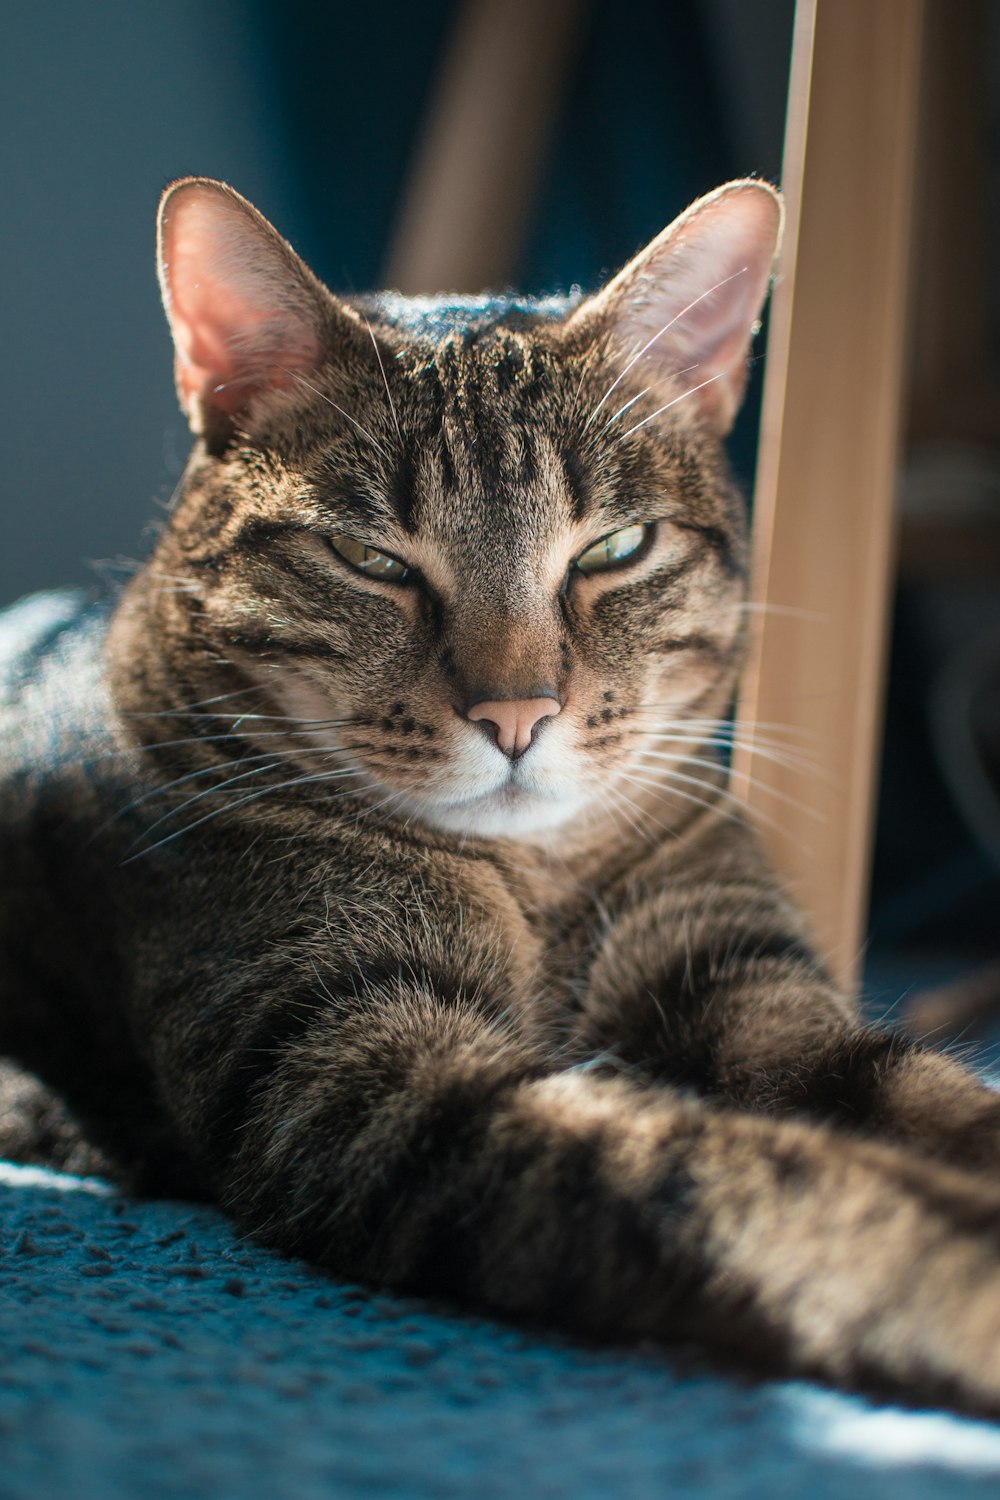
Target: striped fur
[{"x": 280, "y": 926}]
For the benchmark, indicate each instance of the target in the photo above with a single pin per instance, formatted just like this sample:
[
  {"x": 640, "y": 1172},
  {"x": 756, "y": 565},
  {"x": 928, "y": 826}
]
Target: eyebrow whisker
[
  {"x": 656, "y": 336},
  {"x": 385, "y": 380}
]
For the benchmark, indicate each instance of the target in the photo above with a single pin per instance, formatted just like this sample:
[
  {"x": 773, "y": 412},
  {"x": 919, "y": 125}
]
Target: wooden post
[{"x": 823, "y": 519}]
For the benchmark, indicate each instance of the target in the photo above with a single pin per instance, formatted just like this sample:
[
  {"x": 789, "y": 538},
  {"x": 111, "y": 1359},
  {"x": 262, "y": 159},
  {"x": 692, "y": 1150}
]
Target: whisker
[
  {"x": 726, "y": 735},
  {"x": 211, "y": 791},
  {"x": 196, "y": 739},
  {"x": 216, "y": 768},
  {"x": 173, "y": 585},
  {"x": 739, "y": 814},
  {"x": 160, "y": 791},
  {"x": 656, "y": 336},
  {"x": 695, "y": 733},
  {"x": 385, "y": 381},
  {"x": 674, "y": 375},
  {"x": 682, "y": 759},
  {"x": 748, "y": 781},
  {"x": 725, "y": 725},
  {"x": 201, "y": 703},
  {"x": 759, "y": 607},
  {"x": 248, "y": 717},
  {"x": 233, "y": 806},
  {"x": 392, "y": 797},
  {"x": 624, "y": 805},
  {"x": 691, "y": 391},
  {"x": 670, "y": 778},
  {"x": 324, "y": 397},
  {"x": 801, "y": 765},
  {"x": 668, "y": 787}
]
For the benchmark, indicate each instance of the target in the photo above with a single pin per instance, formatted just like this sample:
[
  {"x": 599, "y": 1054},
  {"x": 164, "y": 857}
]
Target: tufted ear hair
[
  {"x": 688, "y": 305},
  {"x": 245, "y": 312}
]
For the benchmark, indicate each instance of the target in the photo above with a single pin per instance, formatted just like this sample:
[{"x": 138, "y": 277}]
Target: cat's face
[{"x": 478, "y": 554}]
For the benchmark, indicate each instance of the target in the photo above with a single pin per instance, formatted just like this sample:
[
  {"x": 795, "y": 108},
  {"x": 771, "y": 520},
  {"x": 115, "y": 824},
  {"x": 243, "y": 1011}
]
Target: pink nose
[{"x": 514, "y": 719}]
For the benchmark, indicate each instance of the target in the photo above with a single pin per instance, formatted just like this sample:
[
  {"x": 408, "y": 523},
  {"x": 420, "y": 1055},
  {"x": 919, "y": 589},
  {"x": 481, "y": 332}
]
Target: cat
[{"x": 369, "y": 864}]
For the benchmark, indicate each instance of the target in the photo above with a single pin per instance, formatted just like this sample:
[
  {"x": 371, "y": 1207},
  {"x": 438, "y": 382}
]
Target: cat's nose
[{"x": 514, "y": 720}]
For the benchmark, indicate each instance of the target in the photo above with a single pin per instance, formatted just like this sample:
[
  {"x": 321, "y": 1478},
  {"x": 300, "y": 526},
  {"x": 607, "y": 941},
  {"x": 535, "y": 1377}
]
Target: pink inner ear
[
  {"x": 226, "y": 352},
  {"x": 690, "y": 301},
  {"x": 205, "y": 366},
  {"x": 236, "y": 300}
]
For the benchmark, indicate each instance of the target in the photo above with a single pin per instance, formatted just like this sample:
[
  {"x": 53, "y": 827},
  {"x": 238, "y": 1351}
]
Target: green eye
[
  {"x": 612, "y": 550},
  {"x": 369, "y": 560}
]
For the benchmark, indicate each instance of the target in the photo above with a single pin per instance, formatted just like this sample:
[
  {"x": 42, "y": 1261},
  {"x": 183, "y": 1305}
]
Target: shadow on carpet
[{"x": 145, "y": 1349}]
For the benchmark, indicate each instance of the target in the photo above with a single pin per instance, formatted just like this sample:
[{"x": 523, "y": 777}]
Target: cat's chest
[{"x": 471, "y": 919}]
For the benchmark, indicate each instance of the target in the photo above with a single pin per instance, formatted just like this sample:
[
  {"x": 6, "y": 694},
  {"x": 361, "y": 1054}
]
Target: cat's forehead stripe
[{"x": 473, "y": 430}]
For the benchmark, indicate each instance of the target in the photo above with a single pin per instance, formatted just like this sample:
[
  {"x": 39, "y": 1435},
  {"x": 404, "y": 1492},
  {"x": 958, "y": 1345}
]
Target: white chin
[{"x": 509, "y": 813}]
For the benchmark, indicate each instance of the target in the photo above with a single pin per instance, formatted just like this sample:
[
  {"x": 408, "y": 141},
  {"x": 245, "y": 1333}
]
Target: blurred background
[{"x": 329, "y": 119}]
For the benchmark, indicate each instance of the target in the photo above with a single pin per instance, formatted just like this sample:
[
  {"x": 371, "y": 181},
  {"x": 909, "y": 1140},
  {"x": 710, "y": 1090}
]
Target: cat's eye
[
  {"x": 612, "y": 550},
  {"x": 369, "y": 560}
]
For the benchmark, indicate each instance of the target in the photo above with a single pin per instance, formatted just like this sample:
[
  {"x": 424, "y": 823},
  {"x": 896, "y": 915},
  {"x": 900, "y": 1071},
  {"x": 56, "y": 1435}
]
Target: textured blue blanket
[{"x": 146, "y": 1350}]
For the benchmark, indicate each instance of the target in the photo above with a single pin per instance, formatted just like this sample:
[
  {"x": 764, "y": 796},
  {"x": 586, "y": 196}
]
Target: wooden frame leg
[{"x": 829, "y": 441}]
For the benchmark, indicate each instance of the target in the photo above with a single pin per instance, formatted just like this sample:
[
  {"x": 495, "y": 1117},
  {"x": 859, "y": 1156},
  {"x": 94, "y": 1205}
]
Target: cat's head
[{"x": 481, "y": 555}]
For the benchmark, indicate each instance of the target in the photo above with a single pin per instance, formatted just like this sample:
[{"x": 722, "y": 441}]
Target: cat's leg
[
  {"x": 392, "y": 1131},
  {"x": 704, "y": 975}
]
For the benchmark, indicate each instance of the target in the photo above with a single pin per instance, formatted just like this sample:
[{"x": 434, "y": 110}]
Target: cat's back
[
  {"x": 50, "y": 675},
  {"x": 55, "y": 738},
  {"x": 55, "y": 717},
  {"x": 55, "y": 747}
]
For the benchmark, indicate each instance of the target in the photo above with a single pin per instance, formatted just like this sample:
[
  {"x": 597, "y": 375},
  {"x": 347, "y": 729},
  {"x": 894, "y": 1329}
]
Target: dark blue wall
[{"x": 312, "y": 111}]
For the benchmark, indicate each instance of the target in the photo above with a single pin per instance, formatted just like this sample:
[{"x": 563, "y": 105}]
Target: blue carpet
[{"x": 147, "y": 1351}]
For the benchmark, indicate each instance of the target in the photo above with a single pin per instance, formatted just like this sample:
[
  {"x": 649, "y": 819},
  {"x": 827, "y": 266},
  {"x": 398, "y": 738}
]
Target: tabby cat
[{"x": 370, "y": 866}]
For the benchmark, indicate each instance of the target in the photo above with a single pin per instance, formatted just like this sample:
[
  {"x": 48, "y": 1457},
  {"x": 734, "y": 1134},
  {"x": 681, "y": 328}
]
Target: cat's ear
[
  {"x": 688, "y": 304},
  {"x": 245, "y": 312}
]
